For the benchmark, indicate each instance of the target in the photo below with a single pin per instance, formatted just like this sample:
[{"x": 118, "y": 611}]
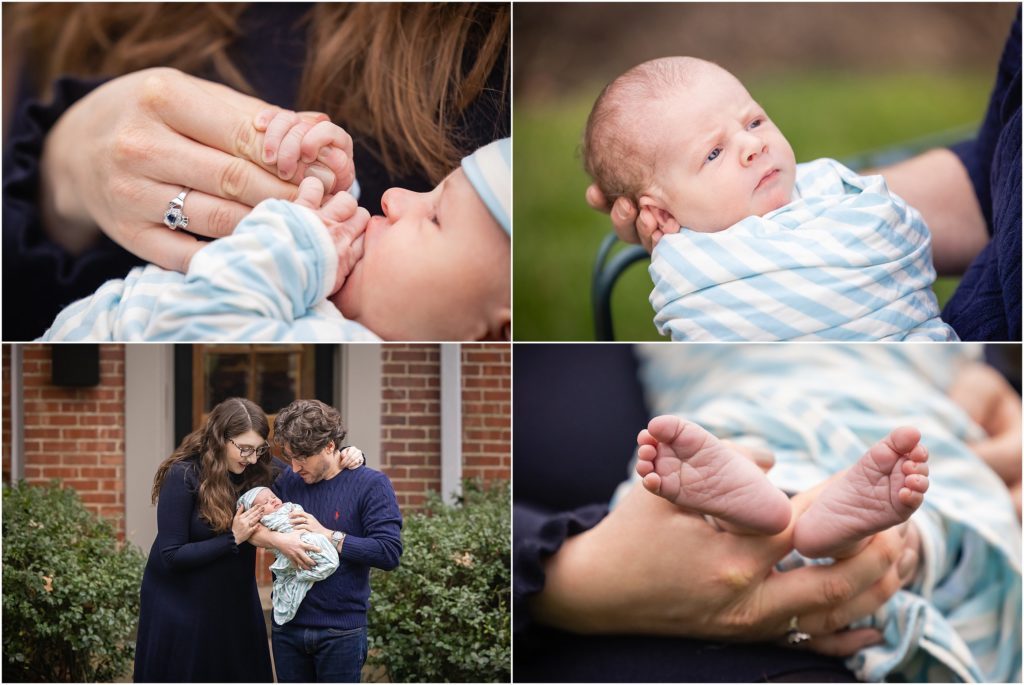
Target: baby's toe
[
  {"x": 912, "y": 467},
  {"x": 905, "y": 438},
  {"x": 665, "y": 428},
  {"x": 911, "y": 498},
  {"x": 645, "y": 438},
  {"x": 916, "y": 483},
  {"x": 647, "y": 452}
]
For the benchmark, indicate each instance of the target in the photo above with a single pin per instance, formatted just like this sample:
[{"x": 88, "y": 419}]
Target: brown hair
[
  {"x": 306, "y": 426},
  {"x": 617, "y": 150},
  {"x": 217, "y": 494},
  {"x": 403, "y": 74}
]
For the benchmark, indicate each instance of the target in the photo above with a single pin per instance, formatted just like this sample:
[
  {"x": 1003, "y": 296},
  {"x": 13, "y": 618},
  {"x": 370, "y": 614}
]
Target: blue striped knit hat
[
  {"x": 249, "y": 496},
  {"x": 489, "y": 169}
]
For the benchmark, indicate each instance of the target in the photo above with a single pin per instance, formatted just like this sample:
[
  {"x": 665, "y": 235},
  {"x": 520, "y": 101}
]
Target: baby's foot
[
  {"x": 689, "y": 466},
  {"x": 881, "y": 490}
]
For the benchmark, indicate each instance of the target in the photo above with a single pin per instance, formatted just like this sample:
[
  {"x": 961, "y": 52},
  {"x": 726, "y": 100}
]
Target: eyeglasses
[{"x": 247, "y": 451}]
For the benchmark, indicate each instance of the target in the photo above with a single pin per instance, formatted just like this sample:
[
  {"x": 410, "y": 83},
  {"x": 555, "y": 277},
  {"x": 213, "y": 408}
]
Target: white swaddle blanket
[
  {"x": 292, "y": 584},
  {"x": 819, "y": 408},
  {"x": 845, "y": 260}
]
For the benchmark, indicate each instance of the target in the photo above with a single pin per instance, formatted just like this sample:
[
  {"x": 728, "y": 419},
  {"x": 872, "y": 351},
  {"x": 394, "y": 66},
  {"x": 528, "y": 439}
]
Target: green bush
[
  {"x": 70, "y": 590},
  {"x": 443, "y": 614}
]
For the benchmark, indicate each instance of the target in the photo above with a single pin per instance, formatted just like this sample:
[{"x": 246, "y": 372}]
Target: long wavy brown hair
[
  {"x": 217, "y": 494},
  {"x": 403, "y": 74}
]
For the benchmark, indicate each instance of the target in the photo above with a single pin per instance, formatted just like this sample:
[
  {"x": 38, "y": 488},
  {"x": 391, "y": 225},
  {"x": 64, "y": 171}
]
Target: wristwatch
[{"x": 337, "y": 537}]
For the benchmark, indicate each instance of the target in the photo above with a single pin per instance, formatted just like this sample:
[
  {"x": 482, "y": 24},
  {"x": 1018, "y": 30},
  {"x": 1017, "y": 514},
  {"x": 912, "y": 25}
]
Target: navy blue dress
[{"x": 200, "y": 618}]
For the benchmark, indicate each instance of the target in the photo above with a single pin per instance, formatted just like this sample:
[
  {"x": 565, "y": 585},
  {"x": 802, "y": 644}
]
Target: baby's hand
[
  {"x": 345, "y": 221},
  {"x": 294, "y": 142}
]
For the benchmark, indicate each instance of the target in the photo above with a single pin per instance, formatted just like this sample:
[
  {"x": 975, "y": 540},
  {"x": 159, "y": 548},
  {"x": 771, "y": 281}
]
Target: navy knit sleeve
[
  {"x": 987, "y": 303},
  {"x": 381, "y": 543},
  {"x": 538, "y": 535},
  {"x": 32, "y": 263},
  {"x": 174, "y": 512}
]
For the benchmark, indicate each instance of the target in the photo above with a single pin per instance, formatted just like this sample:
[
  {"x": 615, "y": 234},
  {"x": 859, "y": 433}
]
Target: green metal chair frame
[{"x": 609, "y": 267}]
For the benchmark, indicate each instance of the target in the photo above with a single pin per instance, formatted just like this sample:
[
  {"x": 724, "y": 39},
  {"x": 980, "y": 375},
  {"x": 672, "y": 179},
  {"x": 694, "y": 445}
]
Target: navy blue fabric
[
  {"x": 987, "y": 303},
  {"x": 200, "y": 618},
  {"x": 318, "y": 655},
  {"x": 361, "y": 503},
  {"x": 578, "y": 410},
  {"x": 40, "y": 278}
]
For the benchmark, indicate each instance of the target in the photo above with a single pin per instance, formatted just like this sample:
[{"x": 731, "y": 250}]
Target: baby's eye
[
  {"x": 714, "y": 155},
  {"x": 755, "y": 123}
]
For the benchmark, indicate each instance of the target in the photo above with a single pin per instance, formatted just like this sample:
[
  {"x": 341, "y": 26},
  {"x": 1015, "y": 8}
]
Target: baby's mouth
[{"x": 767, "y": 178}]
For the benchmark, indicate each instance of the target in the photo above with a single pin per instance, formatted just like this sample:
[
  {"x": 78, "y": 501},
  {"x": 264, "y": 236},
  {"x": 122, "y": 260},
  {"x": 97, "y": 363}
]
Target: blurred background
[{"x": 840, "y": 80}]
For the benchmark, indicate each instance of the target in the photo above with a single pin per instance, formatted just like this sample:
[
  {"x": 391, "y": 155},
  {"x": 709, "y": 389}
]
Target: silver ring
[
  {"x": 794, "y": 635},
  {"x": 174, "y": 217}
]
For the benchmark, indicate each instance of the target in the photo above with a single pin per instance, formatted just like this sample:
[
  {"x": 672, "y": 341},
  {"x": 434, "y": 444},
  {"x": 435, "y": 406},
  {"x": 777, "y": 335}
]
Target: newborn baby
[
  {"x": 754, "y": 246},
  {"x": 290, "y": 584},
  {"x": 433, "y": 266}
]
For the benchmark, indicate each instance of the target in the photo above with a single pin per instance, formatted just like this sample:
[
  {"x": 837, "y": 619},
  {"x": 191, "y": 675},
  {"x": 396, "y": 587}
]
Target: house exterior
[{"x": 427, "y": 415}]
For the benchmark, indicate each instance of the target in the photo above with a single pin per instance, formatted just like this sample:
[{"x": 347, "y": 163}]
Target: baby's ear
[{"x": 666, "y": 222}]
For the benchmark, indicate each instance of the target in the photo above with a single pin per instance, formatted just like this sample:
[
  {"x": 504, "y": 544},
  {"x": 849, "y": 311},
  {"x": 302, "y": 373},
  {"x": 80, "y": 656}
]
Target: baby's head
[
  {"x": 683, "y": 138},
  {"x": 437, "y": 265},
  {"x": 260, "y": 495}
]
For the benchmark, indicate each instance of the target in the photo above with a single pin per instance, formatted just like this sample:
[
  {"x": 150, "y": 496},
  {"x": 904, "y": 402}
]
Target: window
[{"x": 272, "y": 376}]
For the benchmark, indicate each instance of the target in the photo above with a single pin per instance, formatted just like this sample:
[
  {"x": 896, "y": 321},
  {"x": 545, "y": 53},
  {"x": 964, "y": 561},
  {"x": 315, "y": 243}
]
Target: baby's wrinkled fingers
[
  {"x": 282, "y": 122},
  {"x": 263, "y": 118},
  {"x": 288, "y": 153},
  {"x": 340, "y": 164},
  {"x": 341, "y": 208},
  {"x": 311, "y": 193},
  {"x": 323, "y": 134}
]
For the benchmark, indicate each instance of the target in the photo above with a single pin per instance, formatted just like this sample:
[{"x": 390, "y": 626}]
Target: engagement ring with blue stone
[{"x": 174, "y": 218}]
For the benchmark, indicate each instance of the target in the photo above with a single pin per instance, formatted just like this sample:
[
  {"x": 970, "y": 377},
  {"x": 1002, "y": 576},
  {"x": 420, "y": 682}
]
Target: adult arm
[
  {"x": 652, "y": 568},
  {"x": 380, "y": 544},
  {"x": 995, "y": 406},
  {"x": 173, "y": 519},
  {"x": 937, "y": 185}
]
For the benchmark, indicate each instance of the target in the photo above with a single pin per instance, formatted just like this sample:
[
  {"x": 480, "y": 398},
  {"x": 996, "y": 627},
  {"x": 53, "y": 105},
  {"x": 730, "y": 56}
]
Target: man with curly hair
[{"x": 357, "y": 511}]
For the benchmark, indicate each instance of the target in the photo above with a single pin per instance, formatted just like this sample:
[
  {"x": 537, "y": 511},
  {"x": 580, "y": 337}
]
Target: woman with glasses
[{"x": 200, "y": 618}]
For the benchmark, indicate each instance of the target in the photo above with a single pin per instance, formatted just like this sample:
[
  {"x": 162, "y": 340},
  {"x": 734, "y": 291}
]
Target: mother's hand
[
  {"x": 117, "y": 157},
  {"x": 652, "y": 568}
]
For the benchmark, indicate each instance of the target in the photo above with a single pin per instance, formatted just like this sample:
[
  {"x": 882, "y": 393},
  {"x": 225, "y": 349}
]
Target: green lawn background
[{"x": 822, "y": 114}]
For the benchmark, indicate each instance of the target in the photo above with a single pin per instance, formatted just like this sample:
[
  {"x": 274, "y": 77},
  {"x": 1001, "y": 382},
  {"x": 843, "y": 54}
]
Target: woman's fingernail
[{"x": 907, "y": 563}]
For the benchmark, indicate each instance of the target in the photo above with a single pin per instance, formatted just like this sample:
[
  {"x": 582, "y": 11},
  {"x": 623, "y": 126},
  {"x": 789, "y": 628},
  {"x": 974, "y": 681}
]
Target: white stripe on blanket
[
  {"x": 269, "y": 280},
  {"x": 819, "y": 408},
  {"x": 846, "y": 260}
]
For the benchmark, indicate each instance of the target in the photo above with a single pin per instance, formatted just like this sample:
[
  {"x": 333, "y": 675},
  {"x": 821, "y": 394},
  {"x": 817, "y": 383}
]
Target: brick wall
[
  {"x": 77, "y": 434},
  {"x": 411, "y": 420},
  {"x": 487, "y": 412}
]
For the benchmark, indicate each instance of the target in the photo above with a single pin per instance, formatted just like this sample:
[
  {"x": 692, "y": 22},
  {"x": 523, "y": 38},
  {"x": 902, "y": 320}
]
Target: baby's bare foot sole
[
  {"x": 881, "y": 490},
  {"x": 690, "y": 467}
]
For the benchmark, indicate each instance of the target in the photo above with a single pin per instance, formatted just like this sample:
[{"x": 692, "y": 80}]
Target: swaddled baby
[
  {"x": 754, "y": 246},
  {"x": 290, "y": 584}
]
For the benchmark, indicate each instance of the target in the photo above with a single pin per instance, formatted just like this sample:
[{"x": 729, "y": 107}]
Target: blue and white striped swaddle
[
  {"x": 291, "y": 584},
  {"x": 819, "y": 408},
  {"x": 846, "y": 260},
  {"x": 269, "y": 280}
]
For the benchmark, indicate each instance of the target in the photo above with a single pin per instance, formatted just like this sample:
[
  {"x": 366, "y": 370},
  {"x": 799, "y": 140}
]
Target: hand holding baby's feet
[
  {"x": 344, "y": 220},
  {"x": 307, "y": 144}
]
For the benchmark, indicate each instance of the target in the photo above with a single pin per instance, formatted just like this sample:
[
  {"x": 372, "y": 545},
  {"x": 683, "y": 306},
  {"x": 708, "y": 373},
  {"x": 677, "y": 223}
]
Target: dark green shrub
[
  {"x": 70, "y": 590},
  {"x": 443, "y": 614}
]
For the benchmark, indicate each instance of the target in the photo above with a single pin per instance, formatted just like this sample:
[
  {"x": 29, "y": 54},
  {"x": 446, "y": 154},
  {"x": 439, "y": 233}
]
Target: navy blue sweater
[
  {"x": 361, "y": 503},
  {"x": 987, "y": 303}
]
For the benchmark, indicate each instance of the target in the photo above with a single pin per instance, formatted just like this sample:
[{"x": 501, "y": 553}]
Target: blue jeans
[{"x": 318, "y": 655}]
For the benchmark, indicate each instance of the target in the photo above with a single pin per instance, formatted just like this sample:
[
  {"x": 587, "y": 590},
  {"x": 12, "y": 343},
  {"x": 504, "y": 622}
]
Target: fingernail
[
  {"x": 263, "y": 118},
  {"x": 908, "y": 560}
]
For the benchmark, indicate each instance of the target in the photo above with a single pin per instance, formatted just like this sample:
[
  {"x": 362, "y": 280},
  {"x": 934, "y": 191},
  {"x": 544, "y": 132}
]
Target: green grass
[{"x": 822, "y": 114}]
